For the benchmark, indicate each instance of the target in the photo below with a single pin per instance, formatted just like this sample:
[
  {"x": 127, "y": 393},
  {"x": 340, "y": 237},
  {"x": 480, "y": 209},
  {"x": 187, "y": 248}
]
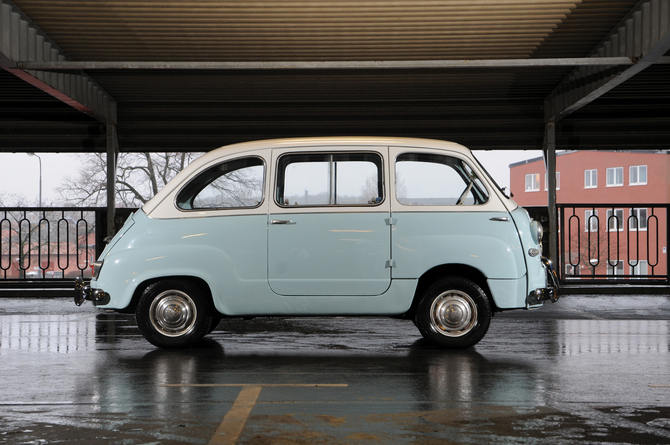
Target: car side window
[
  {"x": 232, "y": 184},
  {"x": 330, "y": 179},
  {"x": 427, "y": 179}
]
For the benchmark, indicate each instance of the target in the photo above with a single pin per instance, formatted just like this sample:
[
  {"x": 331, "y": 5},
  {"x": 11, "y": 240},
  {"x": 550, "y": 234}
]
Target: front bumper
[
  {"x": 83, "y": 293},
  {"x": 549, "y": 293}
]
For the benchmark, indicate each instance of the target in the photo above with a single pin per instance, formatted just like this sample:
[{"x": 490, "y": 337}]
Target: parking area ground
[{"x": 588, "y": 369}]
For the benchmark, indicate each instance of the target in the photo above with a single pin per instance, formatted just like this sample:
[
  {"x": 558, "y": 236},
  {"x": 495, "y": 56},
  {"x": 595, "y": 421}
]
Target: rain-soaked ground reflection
[
  {"x": 613, "y": 336},
  {"x": 89, "y": 376}
]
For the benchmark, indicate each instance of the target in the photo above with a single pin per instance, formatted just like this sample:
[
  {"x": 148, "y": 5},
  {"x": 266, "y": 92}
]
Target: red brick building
[{"x": 608, "y": 223}]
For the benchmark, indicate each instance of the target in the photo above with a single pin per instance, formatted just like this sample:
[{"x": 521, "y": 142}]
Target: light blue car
[{"x": 357, "y": 226}]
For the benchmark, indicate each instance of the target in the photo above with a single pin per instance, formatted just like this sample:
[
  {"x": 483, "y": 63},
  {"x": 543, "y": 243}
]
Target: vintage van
[{"x": 358, "y": 226}]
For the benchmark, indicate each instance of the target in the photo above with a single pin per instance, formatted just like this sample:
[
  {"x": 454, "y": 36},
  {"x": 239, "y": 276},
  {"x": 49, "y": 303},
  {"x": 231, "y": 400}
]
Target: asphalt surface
[{"x": 587, "y": 370}]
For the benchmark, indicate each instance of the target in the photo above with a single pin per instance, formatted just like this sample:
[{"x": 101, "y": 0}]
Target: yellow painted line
[
  {"x": 262, "y": 385},
  {"x": 659, "y": 386},
  {"x": 233, "y": 422}
]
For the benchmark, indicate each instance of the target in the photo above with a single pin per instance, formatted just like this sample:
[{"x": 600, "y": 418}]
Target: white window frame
[
  {"x": 611, "y": 222},
  {"x": 642, "y": 268},
  {"x": 637, "y": 169},
  {"x": 616, "y": 270},
  {"x": 571, "y": 270},
  {"x": 593, "y": 221},
  {"x": 634, "y": 228},
  {"x": 593, "y": 179},
  {"x": 558, "y": 181},
  {"x": 615, "y": 178},
  {"x": 534, "y": 182}
]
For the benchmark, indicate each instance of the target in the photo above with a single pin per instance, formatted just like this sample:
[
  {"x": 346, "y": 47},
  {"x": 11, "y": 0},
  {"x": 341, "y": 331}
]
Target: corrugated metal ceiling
[
  {"x": 271, "y": 30},
  {"x": 199, "y": 110}
]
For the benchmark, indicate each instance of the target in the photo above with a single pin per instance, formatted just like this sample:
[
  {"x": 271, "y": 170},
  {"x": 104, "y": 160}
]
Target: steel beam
[
  {"x": 22, "y": 40},
  {"x": 549, "y": 153},
  {"x": 384, "y": 64},
  {"x": 112, "y": 157},
  {"x": 643, "y": 36}
]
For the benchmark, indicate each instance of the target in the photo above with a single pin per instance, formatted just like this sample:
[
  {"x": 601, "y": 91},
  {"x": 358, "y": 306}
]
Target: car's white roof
[
  {"x": 243, "y": 147},
  {"x": 344, "y": 140}
]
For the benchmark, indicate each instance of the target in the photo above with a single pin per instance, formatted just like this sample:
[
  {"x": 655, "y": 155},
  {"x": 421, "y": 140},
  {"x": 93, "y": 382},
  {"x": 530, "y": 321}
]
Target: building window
[
  {"x": 615, "y": 220},
  {"x": 533, "y": 182},
  {"x": 558, "y": 181},
  {"x": 571, "y": 270},
  {"x": 637, "y": 175},
  {"x": 641, "y": 268},
  {"x": 591, "y": 221},
  {"x": 638, "y": 219},
  {"x": 615, "y": 177},
  {"x": 615, "y": 270},
  {"x": 590, "y": 179}
]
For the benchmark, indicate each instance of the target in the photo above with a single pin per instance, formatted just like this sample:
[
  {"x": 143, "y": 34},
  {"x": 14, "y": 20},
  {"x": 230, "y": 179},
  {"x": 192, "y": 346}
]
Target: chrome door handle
[
  {"x": 282, "y": 221},
  {"x": 499, "y": 218}
]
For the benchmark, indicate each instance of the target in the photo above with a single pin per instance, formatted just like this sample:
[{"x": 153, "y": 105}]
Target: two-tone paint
[{"x": 346, "y": 260}]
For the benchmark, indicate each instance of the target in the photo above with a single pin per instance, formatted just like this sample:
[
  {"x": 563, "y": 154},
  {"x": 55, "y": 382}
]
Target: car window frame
[
  {"x": 334, "y": 151},
  {"x": 473, "y": 164},
  {"x": 223, "y": 209}
]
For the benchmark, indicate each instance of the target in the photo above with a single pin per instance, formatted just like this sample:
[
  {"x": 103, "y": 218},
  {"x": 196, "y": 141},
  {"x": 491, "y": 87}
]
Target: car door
[
  {"x": 446, "y": 215},
  {"x": 328, "y": 225}
]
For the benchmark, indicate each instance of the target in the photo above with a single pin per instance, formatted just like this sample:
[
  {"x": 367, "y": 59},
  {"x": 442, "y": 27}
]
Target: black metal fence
[
  {"x": 49, "y": 243},
  {"x": 48, "y": 247},
  {"x": 602, "y": 245},
  {"x": 613, "y": 244}
]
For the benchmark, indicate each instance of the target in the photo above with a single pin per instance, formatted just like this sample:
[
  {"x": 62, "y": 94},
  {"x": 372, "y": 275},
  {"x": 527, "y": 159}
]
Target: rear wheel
[
  {"x": 216, "y": 319},
  {"x": 174, "y": 314},
  {"x": 453, "y": 312}
]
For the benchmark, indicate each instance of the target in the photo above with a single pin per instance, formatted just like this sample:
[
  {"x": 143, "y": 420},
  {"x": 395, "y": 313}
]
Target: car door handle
[
  {"x": 499, "y": 218},
  {"x": 282, "y": 221}
]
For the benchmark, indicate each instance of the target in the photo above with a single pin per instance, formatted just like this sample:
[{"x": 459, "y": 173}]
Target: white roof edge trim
[{"x": 270, "y": 144}]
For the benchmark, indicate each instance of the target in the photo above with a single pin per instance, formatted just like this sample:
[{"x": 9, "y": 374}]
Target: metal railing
[
  {"x": 48, "y": 243},
  {"x": 613, "y": 244},
  {"x": 48, "y": 247}
]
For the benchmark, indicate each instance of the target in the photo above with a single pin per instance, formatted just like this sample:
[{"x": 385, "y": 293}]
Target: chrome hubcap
[
  {"x": 173, "y": 313},
  {"x": 453, "y": 314}
]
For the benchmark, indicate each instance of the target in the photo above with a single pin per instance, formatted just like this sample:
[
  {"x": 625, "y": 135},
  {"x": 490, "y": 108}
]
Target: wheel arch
[
  {"x": 445, "y": 270},
  {"x": 139, "y": 290}
]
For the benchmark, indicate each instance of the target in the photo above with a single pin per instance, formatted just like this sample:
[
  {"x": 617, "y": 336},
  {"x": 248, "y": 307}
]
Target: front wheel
[
  {"x": 174, "y": 314},
  {"x": 453, "y": 312}
]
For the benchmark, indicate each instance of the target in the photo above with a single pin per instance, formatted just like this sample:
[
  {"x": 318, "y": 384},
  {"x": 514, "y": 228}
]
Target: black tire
[
  {"x": 174, "y": 314},
  {"x": 216, "y": 319},
  {"x": 453, "y": 313}
]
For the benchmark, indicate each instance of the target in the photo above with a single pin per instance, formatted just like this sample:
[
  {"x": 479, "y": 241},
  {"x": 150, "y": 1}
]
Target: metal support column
[
  {"x": 550, "y": 164},
  {"x": 112, "y": 151}
]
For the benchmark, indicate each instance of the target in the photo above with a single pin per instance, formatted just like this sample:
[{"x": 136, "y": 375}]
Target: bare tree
[
  {"x": 16, "y": 231},
  {"x": 139, "y": 176},
  {"x": 43, "y": 243},
  {"x": 371, "y": 187}
]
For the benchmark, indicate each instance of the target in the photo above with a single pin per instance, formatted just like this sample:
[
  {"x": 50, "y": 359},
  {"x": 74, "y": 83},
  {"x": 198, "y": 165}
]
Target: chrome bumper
[
  {"x": 550, "y": 293},
  {"x": 83, "y": 293}
]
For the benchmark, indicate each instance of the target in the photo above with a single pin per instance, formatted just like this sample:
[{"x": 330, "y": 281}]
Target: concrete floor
[{"x": 588, "y": 370}]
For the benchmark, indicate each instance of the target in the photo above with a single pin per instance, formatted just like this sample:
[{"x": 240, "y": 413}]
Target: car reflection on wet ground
[{"x": 585, "y": 370}]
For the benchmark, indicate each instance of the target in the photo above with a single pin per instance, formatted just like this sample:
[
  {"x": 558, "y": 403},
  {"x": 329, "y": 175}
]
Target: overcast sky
[{"x": 19, "y": 173}]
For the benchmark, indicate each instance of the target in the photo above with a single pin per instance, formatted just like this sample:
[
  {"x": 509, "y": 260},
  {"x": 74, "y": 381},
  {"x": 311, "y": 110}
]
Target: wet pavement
[{"x": 587, "y": 370}]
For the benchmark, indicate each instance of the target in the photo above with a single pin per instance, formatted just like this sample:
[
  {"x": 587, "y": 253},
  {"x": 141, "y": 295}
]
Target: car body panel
[
  {"x": 329, "y": 254},
  {"x": 492, "y": 247},
  {"x": 329, "y": 260},
  {"x": 537, "y": 275}
]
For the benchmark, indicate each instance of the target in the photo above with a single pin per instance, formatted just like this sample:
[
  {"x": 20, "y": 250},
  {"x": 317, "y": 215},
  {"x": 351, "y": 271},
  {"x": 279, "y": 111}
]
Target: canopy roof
[{"x": 192, "y": 76}]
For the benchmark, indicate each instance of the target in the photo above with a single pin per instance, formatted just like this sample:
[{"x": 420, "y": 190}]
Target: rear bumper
[
  {"x": 549, "y": 293},
  {"x": 83, "y": 293}
]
